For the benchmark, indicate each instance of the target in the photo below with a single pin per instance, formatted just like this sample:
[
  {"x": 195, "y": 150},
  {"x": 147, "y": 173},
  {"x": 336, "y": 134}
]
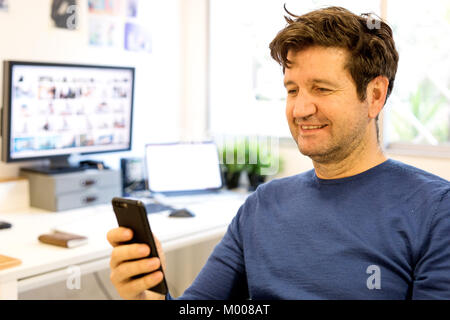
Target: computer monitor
[{"x": 51, "y": 111}]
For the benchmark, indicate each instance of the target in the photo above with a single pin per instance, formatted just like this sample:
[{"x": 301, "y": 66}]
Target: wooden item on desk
[
  {"x": 63, "y": 239},
  {"x": 8, "y": 262}
]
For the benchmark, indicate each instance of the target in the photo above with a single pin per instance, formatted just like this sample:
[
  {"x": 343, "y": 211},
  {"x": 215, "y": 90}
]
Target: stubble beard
[{"x": 338, "y": 149}]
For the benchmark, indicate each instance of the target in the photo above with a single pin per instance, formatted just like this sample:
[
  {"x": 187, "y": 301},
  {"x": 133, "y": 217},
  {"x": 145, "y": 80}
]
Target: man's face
[{"x": 325, "y": 116}]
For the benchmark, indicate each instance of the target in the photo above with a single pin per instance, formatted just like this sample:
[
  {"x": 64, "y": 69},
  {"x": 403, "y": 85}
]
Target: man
[{"x": 358, "y": 226}]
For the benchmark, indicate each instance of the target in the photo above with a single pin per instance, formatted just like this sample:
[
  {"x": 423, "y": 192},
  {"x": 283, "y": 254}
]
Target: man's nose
[{"x": 304, "y": 106}]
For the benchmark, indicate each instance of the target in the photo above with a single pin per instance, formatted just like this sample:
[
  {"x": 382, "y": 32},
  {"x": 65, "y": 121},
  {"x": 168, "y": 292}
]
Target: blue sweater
[{"x": 381, "y": 234}]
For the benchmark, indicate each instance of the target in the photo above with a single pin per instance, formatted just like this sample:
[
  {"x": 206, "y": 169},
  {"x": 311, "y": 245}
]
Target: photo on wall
[
  {"x": 137, "y": 38},
  {"x": 106, "y": 7},
  {"x": 104, "y": 33},
  {"x": 64, "y": 14},
  {"x": 3, "y": 5},
  {"x": 132, "y": 8}
]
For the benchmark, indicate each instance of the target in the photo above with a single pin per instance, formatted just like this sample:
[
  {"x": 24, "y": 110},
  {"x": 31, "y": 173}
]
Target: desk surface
[{"x": 21, "y": 241}]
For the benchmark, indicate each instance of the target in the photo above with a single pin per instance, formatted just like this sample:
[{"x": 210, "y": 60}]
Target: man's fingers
[
  {"x": 128, "y": 252},
  {"x": 126, "y": 270},
  {"x": 144, "y": 283},
  {"x": 118, "y": 235}
]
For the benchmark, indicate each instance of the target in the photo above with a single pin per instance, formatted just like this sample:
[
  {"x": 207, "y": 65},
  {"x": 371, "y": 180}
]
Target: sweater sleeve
[
  {"x": 432, "y": 272},
  {"x": 223, "y": 277}
]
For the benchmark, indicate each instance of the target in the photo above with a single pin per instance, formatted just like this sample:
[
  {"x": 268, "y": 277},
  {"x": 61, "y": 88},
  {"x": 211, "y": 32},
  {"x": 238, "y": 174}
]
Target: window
[
  {"x": 247, "y": 96},
  {"x": 418, "y": 112}
]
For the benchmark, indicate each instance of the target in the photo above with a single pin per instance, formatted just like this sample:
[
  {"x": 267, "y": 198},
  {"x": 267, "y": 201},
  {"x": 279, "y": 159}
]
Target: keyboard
[
  {"x": 154, "y": 207},
  {"x": 190, "y": 193}
]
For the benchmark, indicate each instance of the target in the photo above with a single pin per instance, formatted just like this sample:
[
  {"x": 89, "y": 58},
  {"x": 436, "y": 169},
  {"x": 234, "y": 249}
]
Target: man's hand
[{"x": 122, "y": 269}]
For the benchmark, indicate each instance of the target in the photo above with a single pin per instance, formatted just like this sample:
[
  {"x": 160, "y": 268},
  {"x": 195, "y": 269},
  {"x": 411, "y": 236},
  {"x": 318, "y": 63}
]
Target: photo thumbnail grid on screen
[{"x": 69, "y": 109}]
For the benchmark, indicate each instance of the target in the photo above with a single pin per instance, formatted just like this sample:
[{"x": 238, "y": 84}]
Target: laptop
[
  {"x": 184, "y": 173},
  {"x": 183, "y": 168}
]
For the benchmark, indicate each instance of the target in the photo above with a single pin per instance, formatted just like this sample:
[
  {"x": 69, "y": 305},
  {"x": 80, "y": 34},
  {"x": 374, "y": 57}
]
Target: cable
[{"x": 102, "y": 286}]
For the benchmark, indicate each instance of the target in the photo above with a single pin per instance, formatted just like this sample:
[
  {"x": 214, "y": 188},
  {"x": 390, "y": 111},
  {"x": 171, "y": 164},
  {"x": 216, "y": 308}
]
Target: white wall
[
  {"x": 194, "y": 91},
  {"x": 26, "y": 33}
]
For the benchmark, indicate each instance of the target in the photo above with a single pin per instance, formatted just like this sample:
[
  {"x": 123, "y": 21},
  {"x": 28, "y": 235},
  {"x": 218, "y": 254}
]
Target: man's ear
[{"x": 376, "y": 95}]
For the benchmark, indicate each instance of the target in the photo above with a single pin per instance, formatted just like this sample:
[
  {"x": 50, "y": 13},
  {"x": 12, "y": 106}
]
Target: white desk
[{"x": 43, "y": 264}]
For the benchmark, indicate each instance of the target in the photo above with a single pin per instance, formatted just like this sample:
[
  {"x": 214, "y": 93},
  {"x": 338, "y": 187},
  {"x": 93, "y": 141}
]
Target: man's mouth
[{"x": 312, "y": 127}]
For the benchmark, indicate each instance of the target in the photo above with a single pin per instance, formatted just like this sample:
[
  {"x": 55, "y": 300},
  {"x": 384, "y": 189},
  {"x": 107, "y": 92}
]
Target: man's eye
[
  {"x": 323, "y": 90},
  {"x": 292, "y": 91}
]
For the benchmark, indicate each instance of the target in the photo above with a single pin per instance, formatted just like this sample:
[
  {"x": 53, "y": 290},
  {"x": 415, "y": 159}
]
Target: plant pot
[
  {"x": 231, "y": 179},
  {"x": 255, "y": 180}
]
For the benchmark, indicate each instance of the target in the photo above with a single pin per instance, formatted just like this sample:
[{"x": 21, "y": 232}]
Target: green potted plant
[
  {"x": 260, "y": 163},
  {"x": 231, "y": 163}
]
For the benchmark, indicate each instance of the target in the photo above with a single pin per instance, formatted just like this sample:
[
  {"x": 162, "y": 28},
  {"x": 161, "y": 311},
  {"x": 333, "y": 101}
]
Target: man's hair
[{"x": 369, "y": 43}]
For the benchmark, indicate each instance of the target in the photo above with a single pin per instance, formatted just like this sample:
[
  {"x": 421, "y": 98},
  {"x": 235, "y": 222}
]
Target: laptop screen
[{"x": 176, "y": 167}]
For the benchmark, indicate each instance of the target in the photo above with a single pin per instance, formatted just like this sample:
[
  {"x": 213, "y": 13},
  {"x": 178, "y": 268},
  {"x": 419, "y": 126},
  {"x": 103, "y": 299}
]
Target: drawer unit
[{"x": 66, "y": 191}]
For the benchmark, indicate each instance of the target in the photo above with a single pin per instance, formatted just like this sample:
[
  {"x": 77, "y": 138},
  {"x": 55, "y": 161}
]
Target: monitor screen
[
  {"x": 53, "y": 110},
  {"x": 176, "y": 167}
]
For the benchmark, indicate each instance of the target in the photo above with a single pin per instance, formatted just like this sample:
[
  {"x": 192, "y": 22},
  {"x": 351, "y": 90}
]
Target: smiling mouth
[{"x": 313, "y": 127}]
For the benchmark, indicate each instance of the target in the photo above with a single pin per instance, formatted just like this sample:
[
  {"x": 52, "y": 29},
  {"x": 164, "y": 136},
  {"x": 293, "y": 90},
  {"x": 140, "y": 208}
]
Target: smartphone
[{"x": 131, "y": 213}]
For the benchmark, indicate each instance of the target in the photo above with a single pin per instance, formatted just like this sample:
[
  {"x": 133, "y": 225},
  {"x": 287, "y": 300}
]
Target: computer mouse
[
  {"x": 181, "y": 213},
  {"x": 5, "y": 225}
]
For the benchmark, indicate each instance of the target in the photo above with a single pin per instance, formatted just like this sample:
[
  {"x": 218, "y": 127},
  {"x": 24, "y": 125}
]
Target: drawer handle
[
  {"x": 88, "y": 182},
  {"x": 89, "y": 199}
]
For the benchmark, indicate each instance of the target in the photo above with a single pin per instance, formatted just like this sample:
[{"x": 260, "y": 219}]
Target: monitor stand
[{"x": 58, "y": 165}]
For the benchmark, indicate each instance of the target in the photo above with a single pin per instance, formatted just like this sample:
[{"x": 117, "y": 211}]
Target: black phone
[{"x": 131, "y": 213}]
